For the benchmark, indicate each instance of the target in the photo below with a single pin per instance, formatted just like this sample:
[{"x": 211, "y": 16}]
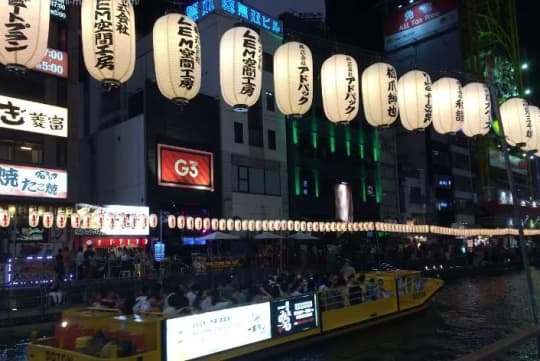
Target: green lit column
[{"x": 376, "y": 159}]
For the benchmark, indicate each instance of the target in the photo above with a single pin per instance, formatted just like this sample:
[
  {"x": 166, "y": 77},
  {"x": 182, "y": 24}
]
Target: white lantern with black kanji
[
  {"x": 108, "y": 40},
  {"x": 447, "y": 98},
  {"x": 340, "y": 93},
  {"x": 190, "y": 223},
  {"x": 379, "y": 94},
  {"x": 206, "y": 223},
  {"x": 33, "y": 219},
  {"x": 222, "y": 224},
  {"x": 293, "y": 79},
  {"x": 5, "y": 218},
  {"x": 415, "y": 100},
  {"x": 110, "y": 221},
  {"x": 48, "y": 219},
  {"x": 24, "y": 33},
  {"x": 258, "y": 225},
  {"x": 240, "y": 67},
  {"x": 143, "y": 221},
  {"x": 171, "y": 221},
  {"x": 516, "y": 121},
  {"x": 237, "y": 225},
  {"x": 75, "y": 221},
  {"x": 61, "y": 221},
  {"x": 214, "y": 223},
  {"x": 277, "y": 225},
  {"x": 533, "y": 143},
  {"x": 181, "y": 222},
  {"x": 177, "y": 57},
  {"x": 153, "y": 220},
  {"x": 476, "y": 109},
  {"x": 198, "y": 223}
]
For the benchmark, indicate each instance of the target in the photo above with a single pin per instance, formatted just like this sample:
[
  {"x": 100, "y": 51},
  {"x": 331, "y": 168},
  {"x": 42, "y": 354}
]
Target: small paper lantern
[
  {"x": 447, "y": 105},
  {"x": 245, "y": 225},
  {"x": 309, "y": 226},
  {"x": 303, "y": 226},
  {"x": 177, "y": 57},
  {"x": 414, "y": 100},
  {"x": 108, "y": 40},
  {"x": 206, "y": 223},
  {"x": 315, "y": 227},
  {"x": 153, "y": 220},
  {"x": 265, "y": 225},
  {"x": 516, "y": 121},
  {"x": 110, "y": 221},
  {"x": 333, "y": 226},
  {"x": 190, "y": 223},
  {"x": 171, "y": 221},
  {"x": 379, "y": 94},
  {"x": 237, "y": 225},
  {"x": 296, "y": 226},
  {"x": 327, "y": 226},
  {"x": 340, "y": 93},
  {"x": 251, "y": 225},
  {"x": 61, "y": 220},
  {"x": 143, "y": 221},
  {"x": 290, "y": 226},
  {"x": 258, "y": 225},
  {"x": 277, "y": 225},
  {"x": 350, "y": 227},
  {"x": 181, "y": 222},
  {"x": 33, "y": 219},
  {"x": 476, "y": 109},
  {"x": 322, "y": 227},
  {"x": 5, "y": 219},
  {"x": 99, "y": 221},
  {"x": 214, "y": 224},
  {"x": 133, "y": 221},
  {"x": 75, "y": 221},
  {"x": 198, "y": 223},
  {"x": 240, "y": 67},
  {"x": 533, "y": 142},
  {"x": 284, "y": 225},
  {"x": 87, "y": 221},
  {"x": 271, "y": 227},
  {"x": 293, "y": 78},
  {"x": 222, "y": 224},
  {"x": 124, "y": 220},
  {"x": 24, "y": 33},
  {"x": 48, "y": 218},
  {"x": 230, "y": 225}
]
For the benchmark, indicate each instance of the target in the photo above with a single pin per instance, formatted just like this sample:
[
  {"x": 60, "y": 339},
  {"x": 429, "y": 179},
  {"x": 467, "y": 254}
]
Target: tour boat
[{"x": 92, "y": 334}]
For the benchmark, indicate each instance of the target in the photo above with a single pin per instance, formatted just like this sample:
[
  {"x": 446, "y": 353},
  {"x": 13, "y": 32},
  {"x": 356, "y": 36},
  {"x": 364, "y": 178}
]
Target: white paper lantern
[
  {"x": 214, "y": 224},
  {"x": 108, "y": 40},
  {"x": 230, "y": 225},
  {"x": 99, "y": 221},
  {"x": 24, "y": 33},
  {"x": 379, "y": 94},
  {"x": 222, "y": 224},
  {"x": 271, "y": 227},
  {"x": 284, "y": 225},
  {"x": 533, "y": 143},
  {"x": 123, "y": 220},
  {"x": 258, "y": 225},
  {"x": 198, "y": 223},
  {"x": 309, "y": 226},
  {"x": 237, "y": 225},
  {"x": 245, "y": 225},
  {"x": 5, "y": 218},
  {"x": 240, "y": 67},
  {"x": 181, "y": 222},
  {"x": 33, "y": 219},
  {"x": 110, "y": 221},
  {"x": 476, "y": 109},
  {"x": 293, "y": 78},
  {"x": 171, "y": 221},
  {"x": 143, "y": 221},
  {"x": 265, "y": 225},
  {"x": 340, "y": 93},
  {"x": 177, "y": 57},
  {"x": 414, "y": 100},
  {"x": 206, "y": 223},
  {"x": 251, "y": 225},
  {"x": 86, "y": 221},
  {"x": 190, "y": 223},
  {"x": 277, "y": 225},
  {"x": 315, "y": 226},
  {"x": 61, "y": 220},
  {"x": 48, "y": 219},
  {"x": 516, "y": 121},
  {"x": 447, "y": 99},
  {"x": 75, "y": 221},
  {"x": 153, "y": 220},
  {"x": 303, "y": 226}
]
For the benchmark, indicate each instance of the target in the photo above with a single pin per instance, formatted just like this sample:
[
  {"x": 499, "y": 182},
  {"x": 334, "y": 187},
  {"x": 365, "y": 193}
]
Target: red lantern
[
  {"x": 5, "y": 219},
  {"x": 33, "y": 219},
  {"x": 61, "y": 221},
  {"x": 48, "y": 219},
  {"x": 153, "y": 220}
]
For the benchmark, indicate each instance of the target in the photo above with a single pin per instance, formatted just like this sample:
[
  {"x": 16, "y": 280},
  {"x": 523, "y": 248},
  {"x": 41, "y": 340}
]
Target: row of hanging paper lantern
[{"x": 100, "y": 221}]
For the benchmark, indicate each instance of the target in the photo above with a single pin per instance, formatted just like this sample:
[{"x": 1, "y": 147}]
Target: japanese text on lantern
[
  {"x": 392, "y": 91},
  {"x": 459, "y": 103},
  {"x": 15, "y": 37},
  {"x": 103, "y": 35},
  {"x": 428, "y": 109},
  {"x": 351, "y": 85},
  {"x": 251, "y": 61},
  {"x": 528, "y": 121},
  {"x": 303, "y": 85},
  {"x": 189, "y": 50},
  {"x": 32, "y": 117}
]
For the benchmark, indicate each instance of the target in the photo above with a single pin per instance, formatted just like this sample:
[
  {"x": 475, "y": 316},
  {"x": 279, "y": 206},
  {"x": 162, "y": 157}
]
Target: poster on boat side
[
  {"x": 195, "y": 336},
  {"x": 293, "y": 315}
]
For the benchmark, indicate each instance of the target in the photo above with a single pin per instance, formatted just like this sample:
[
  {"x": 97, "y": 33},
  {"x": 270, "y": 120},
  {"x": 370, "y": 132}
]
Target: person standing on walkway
[
  {"x": 79, "y": 263},
  {"x": 59, "y": 265}
]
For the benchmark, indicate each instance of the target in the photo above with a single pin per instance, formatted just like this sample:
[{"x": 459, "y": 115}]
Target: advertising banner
[
  {"x": 55, "y": 62},
  {"x": 33, "y": 117},
  {"x": 419, "y": 22},
  {"x": 195, "y": 336},
  {"x": 185, "y": 168},
  {"x": 293, "y": 315},
  {"x": 38, "y": 182}
]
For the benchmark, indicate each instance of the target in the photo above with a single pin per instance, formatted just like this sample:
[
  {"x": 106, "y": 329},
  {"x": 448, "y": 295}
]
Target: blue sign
[
  {"x": 159, "y": 251},
  {"x": 199, "y": 9},
  {"x": 191, "y": 241}
]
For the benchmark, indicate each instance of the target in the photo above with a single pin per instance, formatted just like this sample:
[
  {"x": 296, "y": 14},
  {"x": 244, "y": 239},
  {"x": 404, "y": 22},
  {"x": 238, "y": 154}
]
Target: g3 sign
[{"x": 185, "y": 168}]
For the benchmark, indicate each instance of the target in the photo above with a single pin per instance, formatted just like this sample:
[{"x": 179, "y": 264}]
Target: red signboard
[
  {"x": 55, "y": 62},
  {"x": 185, "y": 168}
]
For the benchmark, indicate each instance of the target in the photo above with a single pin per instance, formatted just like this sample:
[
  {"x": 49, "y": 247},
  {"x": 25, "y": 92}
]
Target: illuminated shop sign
[
  {"x": 185, "y": 168},
  {"x": 37, "y": 182},
  {"x": 293, "y": 315},
  {"x": 113, "y": 220},
  {"x": 195, "y": 336},
  {"x": 199, "y": 9},
  {"x": 55, "y": 62},
  {"x": 28, "y": 116}
]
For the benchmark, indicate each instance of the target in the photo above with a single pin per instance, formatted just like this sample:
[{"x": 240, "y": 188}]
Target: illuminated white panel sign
[{"x": 37, "y": 182}]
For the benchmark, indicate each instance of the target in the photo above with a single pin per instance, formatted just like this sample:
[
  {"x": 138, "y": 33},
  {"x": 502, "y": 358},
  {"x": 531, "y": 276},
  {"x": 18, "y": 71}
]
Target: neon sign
[{"x": 200, "y": 9}]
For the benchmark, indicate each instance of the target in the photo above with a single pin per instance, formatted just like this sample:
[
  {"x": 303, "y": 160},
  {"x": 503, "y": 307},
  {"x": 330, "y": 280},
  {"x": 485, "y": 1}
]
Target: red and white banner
[
  {"x": 185, "y": 168},
  {"x": 419, "y": 22}
]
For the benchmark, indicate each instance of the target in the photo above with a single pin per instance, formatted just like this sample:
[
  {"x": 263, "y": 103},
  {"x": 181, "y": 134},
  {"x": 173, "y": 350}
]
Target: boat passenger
[
  {"x": 98, "y": 295},
  {"x": 111, "y": 300},
  {"x": 127, "y": 305},
  {"x": 55, "y": 293},
  {"x": 141, "y": 300},
  {"x": 153, "y": 305},
  {"x": 381, "y": 291},
  {"x": 371, "y": 290},
  {"x": 355, "y": 291},
  {"x": 347, "y": 270}
]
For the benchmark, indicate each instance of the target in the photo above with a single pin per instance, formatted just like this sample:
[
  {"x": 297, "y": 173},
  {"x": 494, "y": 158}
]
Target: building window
[
  {"x": 21, "y": 152},
  {"x": 271, "y": 139},
  {"x": 243, "y": 179},
  {"x": 270, "y": 102},
  {"x": 61, "y": 153},
  {"x": 238, "y": 133},
  {"x": 268, "y": 62},
  {"x": 135, "y": 104},
  {"x": 257, "y": 181},
  {"x": 255, "y": 125}
]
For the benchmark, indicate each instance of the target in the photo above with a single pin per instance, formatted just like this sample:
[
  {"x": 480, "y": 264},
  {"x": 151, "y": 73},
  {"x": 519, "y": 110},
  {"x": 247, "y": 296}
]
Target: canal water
[{"x": 465, "y": 316}]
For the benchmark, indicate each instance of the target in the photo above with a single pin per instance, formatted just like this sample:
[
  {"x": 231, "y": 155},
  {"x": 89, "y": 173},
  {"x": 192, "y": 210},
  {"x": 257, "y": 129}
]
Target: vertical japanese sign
[
  {"x": 28, "y": 116},
  {"x": 22, "y": 181}
]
